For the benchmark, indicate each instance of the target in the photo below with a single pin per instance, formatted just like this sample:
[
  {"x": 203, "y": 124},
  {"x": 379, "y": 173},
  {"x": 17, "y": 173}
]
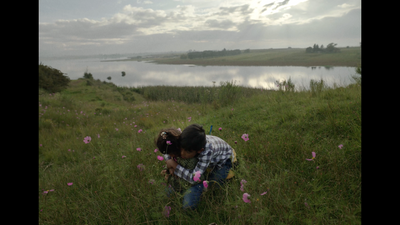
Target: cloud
[{"x": 183, "y": 27}]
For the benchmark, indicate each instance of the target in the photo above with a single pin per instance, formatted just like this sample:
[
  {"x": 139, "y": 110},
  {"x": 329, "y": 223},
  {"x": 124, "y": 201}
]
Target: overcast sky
[{"x": 83, "y": 27}]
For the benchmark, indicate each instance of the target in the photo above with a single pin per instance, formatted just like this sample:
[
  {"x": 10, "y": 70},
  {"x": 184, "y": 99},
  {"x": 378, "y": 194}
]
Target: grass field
[
  {"x": 115, "y": 178},
  {"x": 274, "y": 57}
]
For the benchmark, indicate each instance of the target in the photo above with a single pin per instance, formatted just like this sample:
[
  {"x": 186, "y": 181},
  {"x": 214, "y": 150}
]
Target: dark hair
[
  {"x": 193, "y": 138},
  {"x": 172, "y": 135}
]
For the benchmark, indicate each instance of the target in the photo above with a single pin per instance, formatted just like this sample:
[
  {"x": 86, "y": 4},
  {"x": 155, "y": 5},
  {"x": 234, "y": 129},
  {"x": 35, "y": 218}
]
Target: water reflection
[{"x": 145, "y": 74}]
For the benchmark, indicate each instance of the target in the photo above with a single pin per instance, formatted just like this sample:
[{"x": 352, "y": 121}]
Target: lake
[{"x": 146, "y": 74}]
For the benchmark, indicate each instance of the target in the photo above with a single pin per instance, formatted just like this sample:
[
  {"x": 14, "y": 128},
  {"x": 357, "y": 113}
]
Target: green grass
[
  {"x": 283, "y": 127},
  {"x": 275, "y": 57}
]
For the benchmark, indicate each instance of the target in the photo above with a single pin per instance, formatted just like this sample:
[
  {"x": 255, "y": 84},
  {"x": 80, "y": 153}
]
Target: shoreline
[{"x": 347, "y": 57}]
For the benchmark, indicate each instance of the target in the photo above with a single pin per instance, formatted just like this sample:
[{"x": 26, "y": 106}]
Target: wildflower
[
  {"x": 235, "y": 142},
  {"x": 40, "y": 145},
  {"x": 160, "y": 158},
  {"x": 139, "y": 149},
  {"x": 179, "y": 129},
  {"x": 98, "y": 135},
  {"x": 116, "y": 129},
  {"x": 87, "y": 139},
  {"x": 205, "y": 184},
  {"x": 140, "y": 130},
  {"x": 69, "y": 184},
  {"x": 317, "y": 167},
  {"x": 169, "y": 143},
  {"x": 135, "y": 126},
  {"x": 263, "y": 193},
  {"x": 151, "y": 181},
  {"x": 155, "y": 150},
  {"x": 123, "y": 156},
  {"x": 69, "y": 150},
  {"x": 245, "y": 198},
  {"x": 45, "y": 192},
  {"x": 166, "y": 211},
  {"x": 140, "y": 167},
  {"x": 313, "y": 157},
  {"x": 245, "y": 137},
  {"x": 220, "y": 128},
  {"x": 242, "y": 184},
  {"x": 196, "y": 176},
  {"x": 340, "y": 146},
  {"x": 52, "y": 190}
]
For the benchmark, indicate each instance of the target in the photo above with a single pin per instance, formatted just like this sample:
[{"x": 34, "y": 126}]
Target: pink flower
[
  {"x": 40, "y": 145},
  {"x": 155, "y": 150},
  {"x": 151, "y": 181},
  {"x": 52, "y": 190},
  {"x": 116, "y": 129},
  {"x": 123, "y": 156},
  {"x": 245, "y": 198},
  {"x": 313, "y": 157},
  {"x": 340, "y": 146},
  {"x": 69, "y": 150},
  {"x": 98, "y": 135},
  {"x": 87, "y": 139},
  {"x": 169, "y": 143},
  {"x": 140, "y": 167},
  {"x": 139, "y": 149},
  {"x": 139, "y": 130},
  {"x": 45, "y": 192},
  {"x": 160, "y": 158},
  {"x": 135, "y": 125},
  {"x": 263, "y": 193},
  {"x": 245, "y": 137},
  {"x": 205, "y": 184},
  {"x": 220, "y": 128},
  {"x": 196, "y": 176},
  {"x": 69, "y": 184},
  {"x": 242, "y": 184},
  {"x": 235, "y": 142},
  {"x": 179, "y": 129},
  {"x": 166, "y": 211}
]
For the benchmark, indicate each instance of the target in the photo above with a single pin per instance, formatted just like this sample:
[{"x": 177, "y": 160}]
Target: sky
[{"x": 92, "y": 27}]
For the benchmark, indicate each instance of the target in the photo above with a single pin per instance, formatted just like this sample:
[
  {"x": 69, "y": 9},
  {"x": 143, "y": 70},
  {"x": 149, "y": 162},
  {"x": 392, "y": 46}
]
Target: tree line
[
  {"x": 330, "y": 48},
  {"x": 209, "y": 54}
]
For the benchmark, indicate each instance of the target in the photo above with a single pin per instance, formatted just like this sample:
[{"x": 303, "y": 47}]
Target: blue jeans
[{"x": 191, "y": 197}]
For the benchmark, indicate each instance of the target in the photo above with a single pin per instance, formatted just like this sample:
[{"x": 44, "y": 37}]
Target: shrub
[
  {"x": 51, "y": 79},
  {"x": 108, "y": 78},
  {"x": 88, "y": 75}
]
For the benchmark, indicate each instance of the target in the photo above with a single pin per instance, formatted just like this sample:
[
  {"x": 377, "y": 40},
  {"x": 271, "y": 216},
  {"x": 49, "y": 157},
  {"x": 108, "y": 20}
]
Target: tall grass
[{"x": 284, "y": 129}]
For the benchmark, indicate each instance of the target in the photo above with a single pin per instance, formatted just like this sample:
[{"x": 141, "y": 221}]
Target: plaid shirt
[{"x": 215, "y": 153}]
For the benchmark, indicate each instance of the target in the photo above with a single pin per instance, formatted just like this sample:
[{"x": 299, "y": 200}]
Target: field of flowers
[{"x": 299, "y": 156}]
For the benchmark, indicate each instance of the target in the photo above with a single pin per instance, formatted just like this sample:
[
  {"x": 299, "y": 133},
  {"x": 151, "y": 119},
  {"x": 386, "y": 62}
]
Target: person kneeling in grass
[
  {"x": 212, "y": 153},
  {"x": 168, "y": 144}
]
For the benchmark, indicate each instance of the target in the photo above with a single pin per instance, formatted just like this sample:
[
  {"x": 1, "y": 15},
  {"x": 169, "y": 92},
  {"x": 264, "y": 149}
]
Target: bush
[
  {"x": 88, "y": 75},
  {"x": 51, "y": 79}
]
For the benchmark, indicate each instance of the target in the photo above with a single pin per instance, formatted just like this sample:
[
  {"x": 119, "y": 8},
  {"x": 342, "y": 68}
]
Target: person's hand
[
  {"x": 171, "y": 165},
  {"x": 164, "y": 172}
]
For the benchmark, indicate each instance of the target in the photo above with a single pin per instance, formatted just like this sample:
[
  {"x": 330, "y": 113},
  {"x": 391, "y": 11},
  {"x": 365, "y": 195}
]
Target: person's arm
[{"x": 202, "y": 164}]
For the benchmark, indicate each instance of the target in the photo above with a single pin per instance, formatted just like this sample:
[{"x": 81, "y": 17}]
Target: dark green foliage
[
  {"x": 108, "y": 78},
  {"x": 51, "y": 79},
  {"x": 88, "y": 75},
  {"x": 123, "y": 73},
  {"x": 330, "y": 48},
  {"x": 209, "y": 54}
]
